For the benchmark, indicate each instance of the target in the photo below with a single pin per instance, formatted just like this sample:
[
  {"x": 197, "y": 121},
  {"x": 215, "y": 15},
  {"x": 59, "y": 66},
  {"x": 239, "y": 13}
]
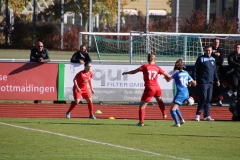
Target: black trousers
[
  {"x": 217, "y": 90},
  {"x": 235, "y": 83}
]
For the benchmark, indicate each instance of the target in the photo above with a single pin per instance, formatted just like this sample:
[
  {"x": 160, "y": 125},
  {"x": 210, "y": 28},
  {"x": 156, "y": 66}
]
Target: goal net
[{"x": 168, "y": 47}]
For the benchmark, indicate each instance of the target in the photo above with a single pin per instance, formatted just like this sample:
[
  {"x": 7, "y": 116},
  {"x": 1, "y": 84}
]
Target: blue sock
[
  {"x": 174, "y": 116},
  {"x": 179, "y": 114}
]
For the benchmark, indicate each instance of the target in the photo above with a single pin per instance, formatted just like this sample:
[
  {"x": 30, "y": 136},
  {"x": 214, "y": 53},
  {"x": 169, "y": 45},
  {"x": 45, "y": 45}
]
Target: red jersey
[
  {"x": 150, "y": 74},
  {"x": 82, "y": 79}
]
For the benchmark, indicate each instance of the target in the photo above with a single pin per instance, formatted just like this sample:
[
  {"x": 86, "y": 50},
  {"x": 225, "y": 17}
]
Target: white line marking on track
[{"x": 93, "y": 141}]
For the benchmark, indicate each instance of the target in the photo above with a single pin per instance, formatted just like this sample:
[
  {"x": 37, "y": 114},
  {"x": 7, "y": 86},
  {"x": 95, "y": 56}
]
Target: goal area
[{"x": 133, "y": 47}]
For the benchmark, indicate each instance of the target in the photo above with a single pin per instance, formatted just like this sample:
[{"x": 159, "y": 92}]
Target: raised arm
[{"x": 131, "y": 72}]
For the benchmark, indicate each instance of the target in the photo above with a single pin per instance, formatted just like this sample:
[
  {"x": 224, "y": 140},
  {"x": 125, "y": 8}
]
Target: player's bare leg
[
  {"x": 72, "y": 106},
  {"x": 141, "y": 113},
  {"x": 161, "y": 106},
  {"x": 90, "y": 108}
]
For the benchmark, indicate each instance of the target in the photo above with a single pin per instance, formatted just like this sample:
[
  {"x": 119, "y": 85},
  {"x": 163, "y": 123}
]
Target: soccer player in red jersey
[
  {"x": 152, "y": 88},
  {"x": 80, "y": 89}
]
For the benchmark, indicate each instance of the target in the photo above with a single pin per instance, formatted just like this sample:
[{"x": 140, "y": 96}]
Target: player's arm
[
  {"x": 131, "y": 72},
  {"x": 192, "y": 83},
  {"x": 90, "y": 85},
  {"x": 74, "y": 58},
  {"x": 76, "y": 85},
  {"x": 47, "y": 58},
  {"x": 167, "y": 76},
  {"x": 32, "y": 56}
]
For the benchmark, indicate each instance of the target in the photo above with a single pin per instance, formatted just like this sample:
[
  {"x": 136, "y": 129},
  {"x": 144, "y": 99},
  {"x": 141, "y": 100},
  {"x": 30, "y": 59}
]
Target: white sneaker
[
  {"x": 208, "y": 119},
  {"x": 182, "y": 122},
  {"x": 197, "y": 118},
  {"x": 219, "y": 103},
  {"x": 176, "y": 125}
]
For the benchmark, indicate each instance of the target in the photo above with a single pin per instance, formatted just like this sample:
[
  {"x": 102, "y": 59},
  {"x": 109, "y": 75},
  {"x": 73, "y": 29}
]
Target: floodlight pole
[
  {"x": 90, "y": 23},
  {"x": 147, "y": 24},
  {"x": 118, "y": 23},
  {"x": 208, "y": 12},
  {"x": 62, "y": 22},
  {"x": 238, "y": 17},
  {"x": 34, "y": 23},
  {"x": 7, "y": 24},
  {"x": 177, "y": 15}
]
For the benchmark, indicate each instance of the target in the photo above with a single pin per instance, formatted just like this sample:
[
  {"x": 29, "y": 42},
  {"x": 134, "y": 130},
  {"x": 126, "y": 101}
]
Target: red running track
[{"x": 15, "y": 110}]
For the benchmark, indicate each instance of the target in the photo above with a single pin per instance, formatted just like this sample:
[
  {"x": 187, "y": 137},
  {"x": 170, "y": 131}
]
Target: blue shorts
[{"x": 180, "y": 98}]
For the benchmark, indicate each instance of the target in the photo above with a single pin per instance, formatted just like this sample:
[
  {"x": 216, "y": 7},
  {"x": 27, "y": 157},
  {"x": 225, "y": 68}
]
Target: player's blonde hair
[{"x": 150, "y": 57}]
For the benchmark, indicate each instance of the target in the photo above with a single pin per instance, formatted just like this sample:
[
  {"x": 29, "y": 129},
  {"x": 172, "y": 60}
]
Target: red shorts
[
  {"x": 85, "y": 94},
  {"x": 150, "y": 92}
]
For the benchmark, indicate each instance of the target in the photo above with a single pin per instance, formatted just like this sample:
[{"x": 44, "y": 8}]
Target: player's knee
[{"x": 158, "y": 99}]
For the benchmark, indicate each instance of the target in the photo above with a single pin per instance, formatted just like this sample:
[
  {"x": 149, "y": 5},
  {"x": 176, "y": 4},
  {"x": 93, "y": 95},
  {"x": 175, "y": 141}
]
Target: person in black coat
[
  {"x": 82, "y": 56},
  {"x": 234, "y": 75},
  {"x": 218, "y": 54},
  {"x": 39, "y": 54}
]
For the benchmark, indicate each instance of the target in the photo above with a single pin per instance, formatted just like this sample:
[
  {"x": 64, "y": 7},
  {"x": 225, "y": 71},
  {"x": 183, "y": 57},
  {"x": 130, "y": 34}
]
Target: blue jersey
[{"x": 182, "y": 78}]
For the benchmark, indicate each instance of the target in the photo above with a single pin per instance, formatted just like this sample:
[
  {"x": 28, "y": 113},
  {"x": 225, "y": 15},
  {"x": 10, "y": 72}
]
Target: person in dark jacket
[
  {"x": 234, "y": 68},
  {"x": 218, "y": 54},
  {"x": 81, "y": 56},
  {"x": 205, "y": 74},
  {"x": 39, "y": 54}
]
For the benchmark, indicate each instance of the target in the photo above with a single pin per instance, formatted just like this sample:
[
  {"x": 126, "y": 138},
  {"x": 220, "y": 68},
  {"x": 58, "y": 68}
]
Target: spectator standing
[
  {"x": 80, "y": 89},
  {"x": 81, "y": 56},
  {"x": 218, "y": 54},
  {"x": 152, "y": 88},
  {"x": 39, "y": 54},
  {"x": 205, "y": 74},
  {"x": 234, "y": 68},
  {"x": 182, "y": 81}
]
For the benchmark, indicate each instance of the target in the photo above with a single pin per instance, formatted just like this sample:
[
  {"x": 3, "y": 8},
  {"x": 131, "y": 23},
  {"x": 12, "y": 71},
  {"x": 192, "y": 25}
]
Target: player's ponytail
[{"x": 150, "y": 57}]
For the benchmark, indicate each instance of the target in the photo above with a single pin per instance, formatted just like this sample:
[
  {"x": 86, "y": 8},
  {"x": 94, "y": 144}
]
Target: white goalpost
[{"x": 168, "y": 47}]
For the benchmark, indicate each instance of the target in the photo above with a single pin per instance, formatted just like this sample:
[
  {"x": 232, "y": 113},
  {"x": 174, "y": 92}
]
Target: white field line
[{"x": 93, "y": 141}]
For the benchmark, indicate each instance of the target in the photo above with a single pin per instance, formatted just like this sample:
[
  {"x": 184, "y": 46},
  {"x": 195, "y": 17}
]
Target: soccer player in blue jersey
[{"x": 182, "y": 81}]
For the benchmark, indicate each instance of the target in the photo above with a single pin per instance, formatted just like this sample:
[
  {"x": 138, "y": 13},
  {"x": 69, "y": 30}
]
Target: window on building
[
  {"x": 202, "y": 6},
  {"x": 229, "y": 8}
]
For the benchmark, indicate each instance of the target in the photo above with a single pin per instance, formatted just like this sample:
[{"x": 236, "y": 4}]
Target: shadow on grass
[
  {"x": 186, "y": 135},
  {"x": 90, "y": 123}
]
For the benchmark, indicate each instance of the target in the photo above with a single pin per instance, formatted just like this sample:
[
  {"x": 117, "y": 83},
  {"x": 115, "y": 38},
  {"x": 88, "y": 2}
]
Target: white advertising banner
[{"x": 110, "y": 85}]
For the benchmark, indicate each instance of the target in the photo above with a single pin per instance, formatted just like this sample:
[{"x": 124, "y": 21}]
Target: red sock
[
  {"x": 162, "y": 107},
  {"x": 90, "y": 108},
  {"x": 73, "y": 105},
  {"x": 141, "y": 115}
]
